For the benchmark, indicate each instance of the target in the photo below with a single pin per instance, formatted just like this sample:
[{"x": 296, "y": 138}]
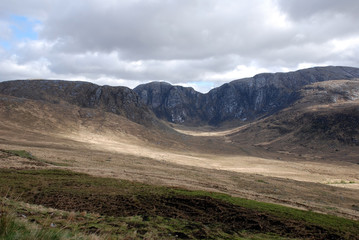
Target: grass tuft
[
  {"x": 21, "y": 153},
  {"x": 12, "y": 228},
  {"x": 28, "y": 155}
]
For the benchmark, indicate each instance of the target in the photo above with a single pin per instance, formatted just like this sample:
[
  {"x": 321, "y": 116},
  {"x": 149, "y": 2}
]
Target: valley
[{"x": 301, "y": 155}]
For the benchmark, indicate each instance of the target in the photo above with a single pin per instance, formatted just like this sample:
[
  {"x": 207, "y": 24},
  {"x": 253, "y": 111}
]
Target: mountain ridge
[{"x": 239, "y": 100}]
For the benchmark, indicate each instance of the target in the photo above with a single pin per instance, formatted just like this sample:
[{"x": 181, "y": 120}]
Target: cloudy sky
[{"x": 198, "y": 43}]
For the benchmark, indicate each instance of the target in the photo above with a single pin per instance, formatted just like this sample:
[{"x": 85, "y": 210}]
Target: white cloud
[
  {"x": 5, "y": 30},
  {"x": 33, "y": 69},
  {"x": 346, "y": 46}
]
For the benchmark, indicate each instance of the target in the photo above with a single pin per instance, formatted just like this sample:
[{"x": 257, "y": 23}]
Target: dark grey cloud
[
  {"x": 163, "y": 29},
  {"x": 187, "y": 41},
  {"x": 300, "y": 10}
]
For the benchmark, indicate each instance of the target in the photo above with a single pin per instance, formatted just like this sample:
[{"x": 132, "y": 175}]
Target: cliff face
[
  {"x": 173, "y": 103},
  {"x": 119, "y": 100},
  {"x": 241, "y": 100}
]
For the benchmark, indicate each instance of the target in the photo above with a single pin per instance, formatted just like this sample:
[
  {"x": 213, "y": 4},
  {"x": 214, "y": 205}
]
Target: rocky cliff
[
  {"x": 119, "y": 100},
  {"x": 173, "y": 103},
  {"x": 240, "y": 100}
]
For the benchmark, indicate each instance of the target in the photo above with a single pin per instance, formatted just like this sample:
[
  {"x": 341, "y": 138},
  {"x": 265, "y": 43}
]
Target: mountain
[
  {"x": 240, "y": 100},
  {"x": 316, "y": 107},
  {"x": 118, "y": 100}
]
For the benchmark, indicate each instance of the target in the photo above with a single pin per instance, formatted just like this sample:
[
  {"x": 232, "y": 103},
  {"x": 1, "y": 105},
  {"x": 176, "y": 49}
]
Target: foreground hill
[
  {"x": 79, "y": 206},
  {"x": 240, "y": 100}
]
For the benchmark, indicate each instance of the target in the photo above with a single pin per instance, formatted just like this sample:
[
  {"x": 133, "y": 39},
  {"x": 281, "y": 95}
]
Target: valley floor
[{"x": 327, "y": 187}]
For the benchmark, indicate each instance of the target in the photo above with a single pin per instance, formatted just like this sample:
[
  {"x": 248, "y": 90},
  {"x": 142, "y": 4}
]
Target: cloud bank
[{"x": 199, "y": 43}]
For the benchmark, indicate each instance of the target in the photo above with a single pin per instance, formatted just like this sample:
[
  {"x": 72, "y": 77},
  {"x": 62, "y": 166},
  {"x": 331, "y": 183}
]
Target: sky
[{"x": 197, "y": 43}]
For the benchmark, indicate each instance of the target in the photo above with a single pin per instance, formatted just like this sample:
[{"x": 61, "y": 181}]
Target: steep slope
[
  {"x": 240, "y": 100},
  {"x": 119, "y": 100}
]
